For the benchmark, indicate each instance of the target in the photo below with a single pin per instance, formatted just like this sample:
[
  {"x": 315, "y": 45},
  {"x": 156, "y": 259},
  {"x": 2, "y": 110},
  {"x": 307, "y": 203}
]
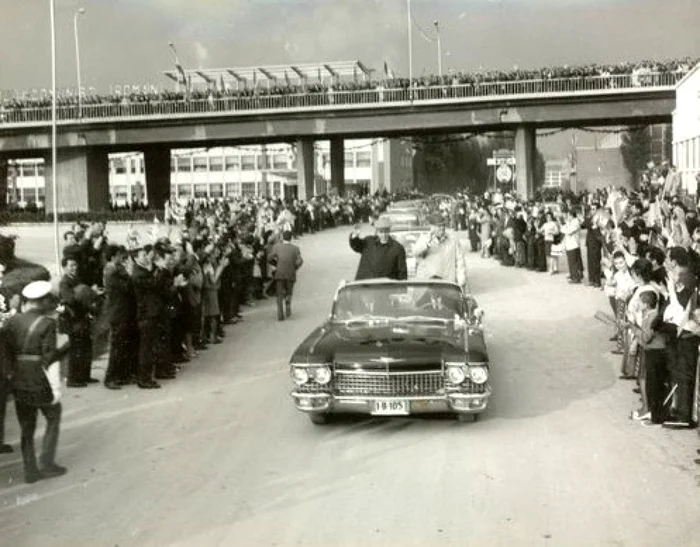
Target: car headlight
[
  {"x": 300, "y": 375},
  {"x": 456, "y": 374},
  {"x": 322, "y": 375},
  {"x": 479, "y": 375}
]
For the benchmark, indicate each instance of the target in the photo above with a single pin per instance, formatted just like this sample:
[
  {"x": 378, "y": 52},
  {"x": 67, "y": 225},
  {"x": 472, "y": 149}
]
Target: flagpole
[{"x": 54, "y": 166}]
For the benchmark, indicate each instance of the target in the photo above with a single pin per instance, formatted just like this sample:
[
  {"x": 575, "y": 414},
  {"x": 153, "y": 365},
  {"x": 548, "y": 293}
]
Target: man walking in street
[
  {"x": 286, "y": 258},
  {"x": 36, "y": 379},
  {"x": 381, "y": 256}
]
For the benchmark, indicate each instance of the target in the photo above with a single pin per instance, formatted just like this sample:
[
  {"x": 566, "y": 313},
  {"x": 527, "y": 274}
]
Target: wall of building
[
  {"x": 235, "y": 171},
  {"x": 600, "y": 167},
  {"x": 686, "y": 130}
]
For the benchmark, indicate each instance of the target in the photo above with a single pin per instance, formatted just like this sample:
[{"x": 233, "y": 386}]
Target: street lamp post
[
  {"x": 410, "y": 46},
  {"x": 81, "y": 11},
  {"x": 52, "y": 9},
  {"x": 439, "y": 47}
]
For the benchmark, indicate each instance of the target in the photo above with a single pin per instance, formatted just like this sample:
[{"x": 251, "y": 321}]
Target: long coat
[
  {"x": 379, "y": 260},
  {"x": 287, "y": 259}
]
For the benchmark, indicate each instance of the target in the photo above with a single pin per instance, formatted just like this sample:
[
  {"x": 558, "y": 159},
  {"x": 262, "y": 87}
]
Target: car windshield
[
  {"x": 403, "y": 222},
  {"x": 398, "y": 303}
]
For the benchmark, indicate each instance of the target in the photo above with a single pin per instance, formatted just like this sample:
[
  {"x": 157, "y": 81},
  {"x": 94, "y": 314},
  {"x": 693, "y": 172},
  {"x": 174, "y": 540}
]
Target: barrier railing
[{"x": 332, "y": 99}]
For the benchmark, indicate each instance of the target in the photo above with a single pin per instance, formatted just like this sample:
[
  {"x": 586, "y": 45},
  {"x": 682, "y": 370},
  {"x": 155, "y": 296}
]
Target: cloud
[{"x": 201, "y": 54}]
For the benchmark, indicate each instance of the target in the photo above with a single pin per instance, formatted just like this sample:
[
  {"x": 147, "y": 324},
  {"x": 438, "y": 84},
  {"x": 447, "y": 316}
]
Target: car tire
[
  {"x": 467, "y": 418},
  {"x": 318, "y": 418}
]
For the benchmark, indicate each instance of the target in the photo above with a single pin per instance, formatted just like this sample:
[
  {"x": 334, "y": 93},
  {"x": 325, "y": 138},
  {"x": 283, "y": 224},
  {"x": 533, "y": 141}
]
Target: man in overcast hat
[
  {"x": 382, "y": 256},
  {"x": 36, "y": 379}
]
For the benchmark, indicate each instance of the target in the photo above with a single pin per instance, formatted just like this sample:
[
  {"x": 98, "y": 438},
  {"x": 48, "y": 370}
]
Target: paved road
[{"x": 219, "y": 457}]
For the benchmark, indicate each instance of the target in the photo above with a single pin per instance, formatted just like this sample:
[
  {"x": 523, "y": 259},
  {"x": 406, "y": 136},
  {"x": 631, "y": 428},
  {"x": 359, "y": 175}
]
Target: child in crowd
[
  {"x": 619, "y": 286},
  {"x": 653, "y": 378}
]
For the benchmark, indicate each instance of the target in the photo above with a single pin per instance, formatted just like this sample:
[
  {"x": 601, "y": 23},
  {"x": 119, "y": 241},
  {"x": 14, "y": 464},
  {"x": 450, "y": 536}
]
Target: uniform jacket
[
  {"x": 379, "y": 260},
  {"x": 32, "y": 354},
  {"x": 287, "y": 257}
]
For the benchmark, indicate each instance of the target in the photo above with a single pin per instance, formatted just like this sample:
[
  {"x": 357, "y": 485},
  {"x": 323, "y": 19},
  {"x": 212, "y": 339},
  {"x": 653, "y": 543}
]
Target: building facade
[
  {"x": 686, "y": 130},
  {"x": 242, "y": 171}
]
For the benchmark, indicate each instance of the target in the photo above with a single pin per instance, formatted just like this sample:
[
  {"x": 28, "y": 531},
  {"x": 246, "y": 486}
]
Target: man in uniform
[
  {"x": 36, "y": 380},
  {"x": 381, "y": 255},
  {"x": 286, "y": 257}
]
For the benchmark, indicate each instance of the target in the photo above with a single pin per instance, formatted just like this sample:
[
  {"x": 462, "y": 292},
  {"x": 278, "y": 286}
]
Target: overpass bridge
[{"x": 87, "y": 135}]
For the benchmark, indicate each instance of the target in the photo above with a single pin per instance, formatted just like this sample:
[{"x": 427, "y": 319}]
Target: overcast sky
[{"x": 126, "y": 41}]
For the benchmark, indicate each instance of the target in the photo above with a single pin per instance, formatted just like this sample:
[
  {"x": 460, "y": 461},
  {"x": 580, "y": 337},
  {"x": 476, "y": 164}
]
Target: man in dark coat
[
  {"x": 120, "y": 307},
  {"x": 75, "y": 298},
  {"x": 155, "y": 287},
  {"x": 382, "y": 256},
  {"x": 286, "y": 258}
]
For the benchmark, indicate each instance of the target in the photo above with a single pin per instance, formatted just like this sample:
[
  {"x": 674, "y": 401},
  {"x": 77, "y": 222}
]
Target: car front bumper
[{"x": 453, "y": 402}]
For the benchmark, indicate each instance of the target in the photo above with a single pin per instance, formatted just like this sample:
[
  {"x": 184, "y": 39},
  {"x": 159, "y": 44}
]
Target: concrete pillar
[
  {"x": 82, "y": 180},
  {"x": 525, "y": 154},
  {"x": 4, "y": 171},
  {"x": 305, "y": 169},
  {"x": 338, "y": 165},
  {"x": 157, "y": 162}
]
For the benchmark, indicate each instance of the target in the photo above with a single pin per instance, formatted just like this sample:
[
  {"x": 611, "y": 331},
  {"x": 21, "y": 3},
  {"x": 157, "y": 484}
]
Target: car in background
[{"x": 394, "y": 348}]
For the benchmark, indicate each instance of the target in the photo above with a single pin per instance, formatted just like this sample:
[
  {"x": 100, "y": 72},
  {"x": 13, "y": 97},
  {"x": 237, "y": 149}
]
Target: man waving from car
[{"x": 382, "y": 256}]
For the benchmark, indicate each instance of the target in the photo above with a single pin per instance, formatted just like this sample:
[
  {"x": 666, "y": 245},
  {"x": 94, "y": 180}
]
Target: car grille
[
  {"x": 311, "y": 387},
  {"x": 388, "y": 385},
  {"x": 470, "y": 387}
]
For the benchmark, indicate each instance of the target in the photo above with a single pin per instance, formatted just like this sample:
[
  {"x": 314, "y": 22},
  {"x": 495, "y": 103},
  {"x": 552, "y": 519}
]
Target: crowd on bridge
[
  {"x": 641, "y": 248},
  {"x": 278, "y": 94}
]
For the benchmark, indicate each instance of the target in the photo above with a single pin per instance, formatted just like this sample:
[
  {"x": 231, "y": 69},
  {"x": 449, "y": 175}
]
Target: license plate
[{"x": 390, "y": 408}]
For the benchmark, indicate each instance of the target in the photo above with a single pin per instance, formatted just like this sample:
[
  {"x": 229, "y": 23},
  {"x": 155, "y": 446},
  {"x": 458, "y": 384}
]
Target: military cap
[{"x": 36, "y": 290}]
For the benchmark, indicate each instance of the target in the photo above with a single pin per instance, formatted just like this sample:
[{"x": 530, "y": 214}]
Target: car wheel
[
  {"x": 467, "y": 418},
  {"x": 318, "y": 419}
]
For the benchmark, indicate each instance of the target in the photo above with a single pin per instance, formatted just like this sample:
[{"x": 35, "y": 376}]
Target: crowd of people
[
  {"x": 642, "y": 249},
  {"x": 219, "y": 97},
  {"x": 165, "y": 297},
  {"x": 159, "y": 299}
]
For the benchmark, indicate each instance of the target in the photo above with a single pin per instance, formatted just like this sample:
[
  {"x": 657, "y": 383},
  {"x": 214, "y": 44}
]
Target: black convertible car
[{"x": 393, "y": 348}]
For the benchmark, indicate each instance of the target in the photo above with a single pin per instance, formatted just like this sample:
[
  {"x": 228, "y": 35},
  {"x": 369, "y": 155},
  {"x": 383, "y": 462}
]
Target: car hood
[{"x": 382, "y": 348}]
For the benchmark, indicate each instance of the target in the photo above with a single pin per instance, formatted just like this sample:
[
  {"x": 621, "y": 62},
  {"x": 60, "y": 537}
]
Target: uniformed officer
[{"x": 36, "y": 378}]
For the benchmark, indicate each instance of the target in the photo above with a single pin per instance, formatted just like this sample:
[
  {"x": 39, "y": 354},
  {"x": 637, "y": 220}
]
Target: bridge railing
[{"x": 332, "y": 99}]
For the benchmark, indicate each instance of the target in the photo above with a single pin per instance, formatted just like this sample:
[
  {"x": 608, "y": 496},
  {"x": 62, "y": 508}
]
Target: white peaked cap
[{"x": 36, "y": 290}]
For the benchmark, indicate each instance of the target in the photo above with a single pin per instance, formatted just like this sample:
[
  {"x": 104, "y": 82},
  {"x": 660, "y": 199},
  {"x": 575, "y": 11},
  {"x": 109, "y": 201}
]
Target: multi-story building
[
  {"x": 260, "y": 170},
  {"x": 686, "y": 130}
]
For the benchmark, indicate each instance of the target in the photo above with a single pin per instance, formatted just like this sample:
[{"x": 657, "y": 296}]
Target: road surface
[{"x": 219, "y": 456}]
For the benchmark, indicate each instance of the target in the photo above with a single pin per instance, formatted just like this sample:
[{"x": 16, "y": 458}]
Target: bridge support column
[
  {"x": 82, "y": 180},
  {"x": 4, "y": 172},
  {"x": 305, "y": 169},
  {"x": 525, "y": 154},
  {"x": 157, "y": 162},
  {"x": 338, "y": 165}
]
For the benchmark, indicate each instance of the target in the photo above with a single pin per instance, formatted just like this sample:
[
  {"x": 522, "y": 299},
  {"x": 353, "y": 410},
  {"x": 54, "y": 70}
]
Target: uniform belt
[{"x": 28, "y": 357}]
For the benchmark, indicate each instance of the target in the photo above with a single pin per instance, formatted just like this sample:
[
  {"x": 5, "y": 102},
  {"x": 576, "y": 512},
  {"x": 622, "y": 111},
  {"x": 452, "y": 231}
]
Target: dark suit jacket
[
  {"x": 120, "y": 305},
  {"x": 379, "y": 260},
  {"x": 287, "y": 258}
]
